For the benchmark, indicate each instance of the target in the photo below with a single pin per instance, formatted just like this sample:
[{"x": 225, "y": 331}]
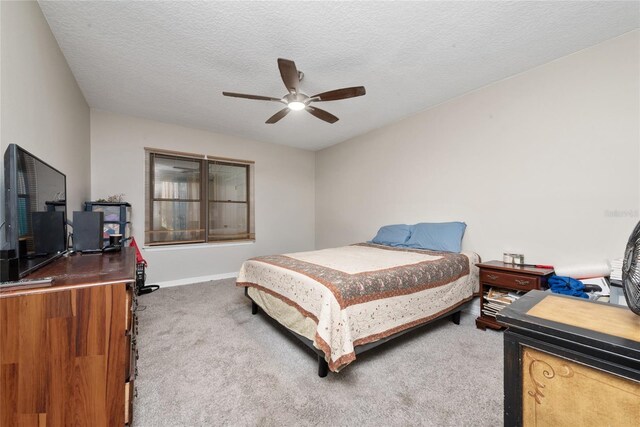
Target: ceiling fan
[{"x": 296, "y": 100}]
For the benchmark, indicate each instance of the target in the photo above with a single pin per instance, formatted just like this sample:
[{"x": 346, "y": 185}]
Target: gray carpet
[{"x": 205, "y": 360}]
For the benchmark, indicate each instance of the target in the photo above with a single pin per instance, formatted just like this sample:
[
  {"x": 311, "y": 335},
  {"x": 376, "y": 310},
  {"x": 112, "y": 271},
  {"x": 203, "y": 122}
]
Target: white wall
[
  {"x": 42, "y": 108},
  {"x": 284, "y": 191},
  {"x": 546, "y": 163}
]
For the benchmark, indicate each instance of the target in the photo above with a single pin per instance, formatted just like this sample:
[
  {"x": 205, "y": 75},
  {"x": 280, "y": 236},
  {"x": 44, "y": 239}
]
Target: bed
[{"x": 342, "y": 301}]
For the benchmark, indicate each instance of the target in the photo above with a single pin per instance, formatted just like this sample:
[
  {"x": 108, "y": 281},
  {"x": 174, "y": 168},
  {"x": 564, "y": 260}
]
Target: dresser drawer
[
  {"x": 132, "y": 359},
  {"x": 128, "y": 308},
  {"x": 129, "y": 395},
  {"x": 510, "y": 280}
]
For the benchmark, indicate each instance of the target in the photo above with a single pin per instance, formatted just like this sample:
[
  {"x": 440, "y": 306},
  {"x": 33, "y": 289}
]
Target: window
[{"x": 197, "y": 199}]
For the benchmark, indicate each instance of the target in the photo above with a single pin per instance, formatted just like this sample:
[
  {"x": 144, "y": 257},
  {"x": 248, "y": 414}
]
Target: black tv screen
[{"x": 35, "y": 209}]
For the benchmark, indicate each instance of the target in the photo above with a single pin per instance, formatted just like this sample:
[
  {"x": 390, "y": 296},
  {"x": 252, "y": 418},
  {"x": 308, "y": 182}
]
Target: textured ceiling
[{"x": 170, "y": 61}]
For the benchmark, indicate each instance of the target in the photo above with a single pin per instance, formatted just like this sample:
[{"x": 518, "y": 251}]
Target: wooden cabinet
[
  {"x": 570, "y": 362},
  {"x": 509, "y": 277},
  {"x": 67, "y": 351}
]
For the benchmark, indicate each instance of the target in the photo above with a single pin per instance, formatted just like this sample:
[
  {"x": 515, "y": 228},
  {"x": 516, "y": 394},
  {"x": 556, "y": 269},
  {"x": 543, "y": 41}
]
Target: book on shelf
[
  {"x": 616, "y": 269},
  {"x": 496, "y": 299}
]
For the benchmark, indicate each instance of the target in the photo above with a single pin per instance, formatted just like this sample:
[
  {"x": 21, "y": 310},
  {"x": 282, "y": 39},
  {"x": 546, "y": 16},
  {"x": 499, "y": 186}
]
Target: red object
[
  {"x": 139, "y": 258},
  {"x": 544, "y": 266}
]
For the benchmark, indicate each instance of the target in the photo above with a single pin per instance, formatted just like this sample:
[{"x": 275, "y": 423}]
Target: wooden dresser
[
  {"x": 67, "y": 351},
  {"x": 570, "y": 362}
]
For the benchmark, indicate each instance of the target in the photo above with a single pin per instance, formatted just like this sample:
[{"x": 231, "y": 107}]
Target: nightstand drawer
[{"x": 516, "y": 281}]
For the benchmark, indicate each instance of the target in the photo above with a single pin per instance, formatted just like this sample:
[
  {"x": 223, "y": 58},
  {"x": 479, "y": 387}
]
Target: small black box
[
  {"x": 49, "y": 232},
  {"x": 9, "y": 263},
  {"x": 87, "y": 230}
]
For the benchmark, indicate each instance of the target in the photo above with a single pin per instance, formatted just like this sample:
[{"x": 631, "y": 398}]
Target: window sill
[{"x": 175, "y": 247}]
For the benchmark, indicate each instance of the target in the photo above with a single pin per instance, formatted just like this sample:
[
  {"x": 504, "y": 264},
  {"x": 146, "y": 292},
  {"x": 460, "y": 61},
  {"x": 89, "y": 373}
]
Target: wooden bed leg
[
  {"x": 323, "y": 367},
  {"x": 455, "y": 317},
  {"x": 254, "y": 307}
]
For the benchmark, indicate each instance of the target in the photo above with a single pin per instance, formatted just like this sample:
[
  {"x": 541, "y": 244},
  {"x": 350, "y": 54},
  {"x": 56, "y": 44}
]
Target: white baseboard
[{"x": 193, "y": 280}]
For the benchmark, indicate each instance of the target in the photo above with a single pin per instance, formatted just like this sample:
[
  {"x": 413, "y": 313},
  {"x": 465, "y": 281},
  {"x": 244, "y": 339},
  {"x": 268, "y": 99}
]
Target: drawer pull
[
  {"x": 522, "y": 282},
  {"x": 492, "y": 276}
]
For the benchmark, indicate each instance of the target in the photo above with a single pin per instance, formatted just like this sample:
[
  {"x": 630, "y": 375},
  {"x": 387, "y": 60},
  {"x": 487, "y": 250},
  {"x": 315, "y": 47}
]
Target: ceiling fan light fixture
[
  {"x": 297, "y": 100},
  {"x": 296, "y": 105}
]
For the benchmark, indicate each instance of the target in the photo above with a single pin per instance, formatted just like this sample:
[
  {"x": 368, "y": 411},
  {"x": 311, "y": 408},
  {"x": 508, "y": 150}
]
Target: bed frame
[{"x": 323, "y": 366}]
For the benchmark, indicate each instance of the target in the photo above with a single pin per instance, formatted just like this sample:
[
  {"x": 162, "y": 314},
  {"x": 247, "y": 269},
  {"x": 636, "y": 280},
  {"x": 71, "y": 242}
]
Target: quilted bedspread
[{"x": 365, "y": 292}]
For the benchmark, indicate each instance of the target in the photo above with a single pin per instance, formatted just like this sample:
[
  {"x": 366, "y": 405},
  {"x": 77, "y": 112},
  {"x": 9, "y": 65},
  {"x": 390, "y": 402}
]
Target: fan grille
[{"x": 631, "y": 271}]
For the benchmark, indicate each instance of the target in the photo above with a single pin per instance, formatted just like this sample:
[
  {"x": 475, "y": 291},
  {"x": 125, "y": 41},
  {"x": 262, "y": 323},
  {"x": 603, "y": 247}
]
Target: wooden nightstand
[{"x": 510, "y": 278}]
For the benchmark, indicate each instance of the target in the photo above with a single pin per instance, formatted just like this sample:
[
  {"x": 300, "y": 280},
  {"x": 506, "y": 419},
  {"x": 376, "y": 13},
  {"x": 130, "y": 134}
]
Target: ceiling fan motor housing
[{"x": 293, "y": 97}]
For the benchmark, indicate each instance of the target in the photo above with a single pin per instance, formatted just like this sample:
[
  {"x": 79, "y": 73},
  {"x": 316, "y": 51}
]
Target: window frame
[
  {"x": 152, "y": 199},
  {"x": 204, "y": 162},
  {"x": 247, "y": 200}
]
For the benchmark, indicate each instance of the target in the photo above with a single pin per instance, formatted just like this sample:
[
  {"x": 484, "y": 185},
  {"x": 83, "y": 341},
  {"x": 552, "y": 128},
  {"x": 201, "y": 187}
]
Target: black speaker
[
  {"x": 9, "y": 264},
  {"x": 49, "y": 232},
  {"x": 87, "y": 230}
]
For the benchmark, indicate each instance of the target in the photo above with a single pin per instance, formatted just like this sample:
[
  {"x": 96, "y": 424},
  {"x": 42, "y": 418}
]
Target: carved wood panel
[{"x": 560, "y": 392}]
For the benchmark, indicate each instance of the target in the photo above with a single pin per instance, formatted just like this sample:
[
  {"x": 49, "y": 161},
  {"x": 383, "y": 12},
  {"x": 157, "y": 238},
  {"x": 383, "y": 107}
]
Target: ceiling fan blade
[
  {"x": 289, "y": 74},
  {"x": 344, "y": 93},
  {"x": 322, "y": 115},
  {"x": 277, "y": 116},
  {"x": 258, "y": 97}
]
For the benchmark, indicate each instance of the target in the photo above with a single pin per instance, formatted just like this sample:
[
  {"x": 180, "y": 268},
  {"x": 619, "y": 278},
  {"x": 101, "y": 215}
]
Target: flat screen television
[{"x": 35, "y": 210}]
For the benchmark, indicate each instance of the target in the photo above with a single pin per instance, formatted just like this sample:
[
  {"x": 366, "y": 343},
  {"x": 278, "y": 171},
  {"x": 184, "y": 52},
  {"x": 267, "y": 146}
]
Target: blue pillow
[
  {"x": 393, "y": 235},
  {"x": 444, "y": 236}
]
